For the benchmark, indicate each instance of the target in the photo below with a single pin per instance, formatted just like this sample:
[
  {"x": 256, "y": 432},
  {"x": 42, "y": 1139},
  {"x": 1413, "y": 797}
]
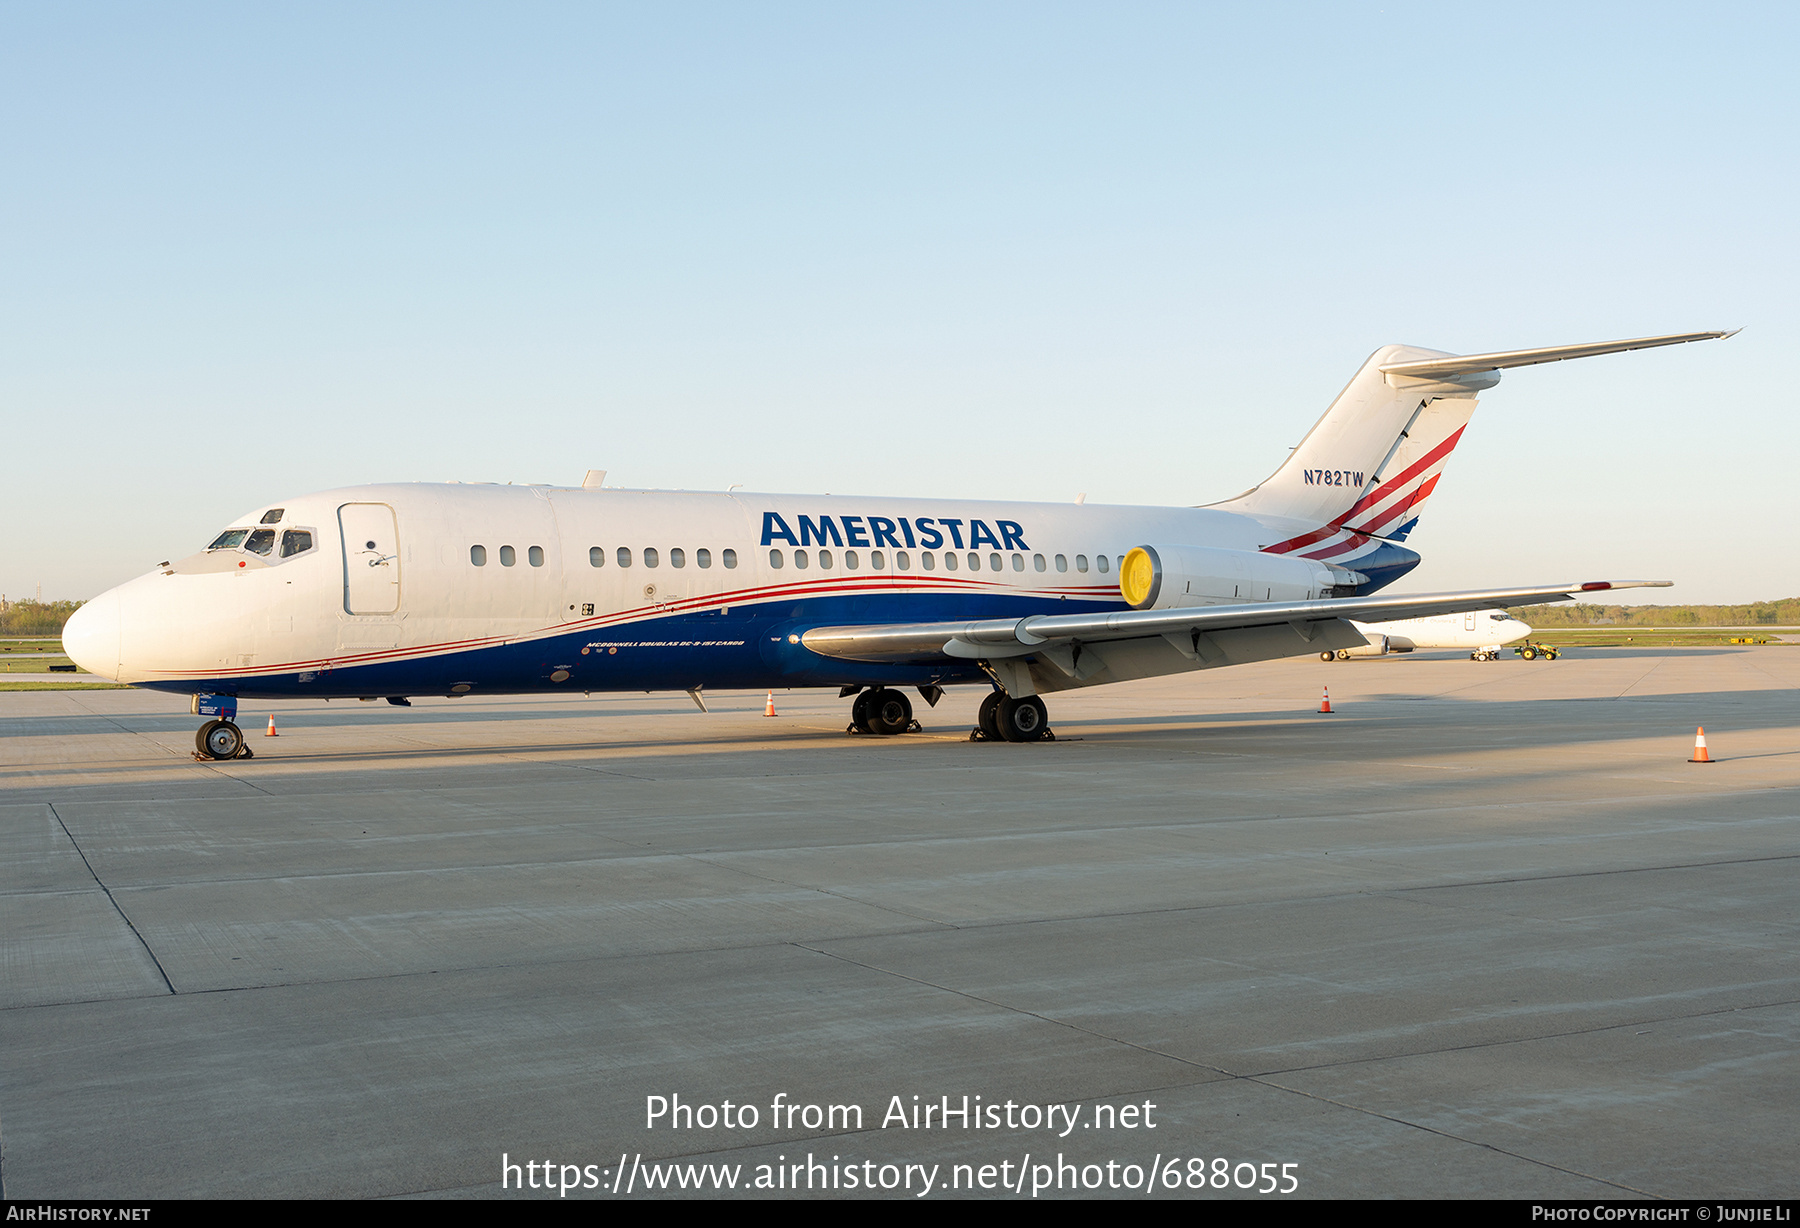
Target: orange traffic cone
[
  {"x": 1325, "y": 703},
  {"x": 769, "y": 708},
  {"x": 271, "y": 733},
  {"x": 1700, "y": 755}
]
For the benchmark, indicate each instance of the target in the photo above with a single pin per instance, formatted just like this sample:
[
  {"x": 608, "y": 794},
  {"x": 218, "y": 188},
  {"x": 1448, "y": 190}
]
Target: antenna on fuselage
[{"x": 595, "y": 479}]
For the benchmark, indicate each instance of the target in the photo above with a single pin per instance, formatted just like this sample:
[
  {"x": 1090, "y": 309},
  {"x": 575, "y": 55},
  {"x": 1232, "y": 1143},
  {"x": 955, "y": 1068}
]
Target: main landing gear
[
  {"x": 882, "y": 711},
  {"x": 220, "y": 740},
  {"x": 1001, "y": 718}
]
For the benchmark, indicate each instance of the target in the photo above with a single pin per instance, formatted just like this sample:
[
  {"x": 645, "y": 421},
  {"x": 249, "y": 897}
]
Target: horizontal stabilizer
[
  {"x": 997, "y": 638},
  {"x": 1466, "y": 364}
]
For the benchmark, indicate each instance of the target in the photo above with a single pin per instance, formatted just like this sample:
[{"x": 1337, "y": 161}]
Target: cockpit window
[
  {"x": 299, "y": 541},
  {"x": 261, "y": 541},
  {"x": 230, "y": 539},
  {"x": 273, "y": 515}
]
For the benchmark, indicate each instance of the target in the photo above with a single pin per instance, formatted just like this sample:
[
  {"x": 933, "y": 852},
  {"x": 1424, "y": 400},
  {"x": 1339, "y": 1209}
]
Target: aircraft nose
[{"x": 91, "y": 636}]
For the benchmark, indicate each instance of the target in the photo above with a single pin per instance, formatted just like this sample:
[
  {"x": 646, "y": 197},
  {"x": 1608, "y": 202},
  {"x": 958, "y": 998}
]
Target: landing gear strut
[
  {"x": 882, "y": 711},
  {"x": 221, "y": 740}
]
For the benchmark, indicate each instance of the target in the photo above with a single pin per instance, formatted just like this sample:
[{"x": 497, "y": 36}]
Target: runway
[{"x": 1482, "y": 932}]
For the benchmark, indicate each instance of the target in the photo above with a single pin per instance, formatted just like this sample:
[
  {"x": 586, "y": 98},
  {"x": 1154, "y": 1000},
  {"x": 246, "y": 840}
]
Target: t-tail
[{"x": 1362, "y": 474}]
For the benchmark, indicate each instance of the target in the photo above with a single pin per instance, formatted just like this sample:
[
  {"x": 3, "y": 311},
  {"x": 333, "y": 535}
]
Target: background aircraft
[
  {"x": 401, "y": 590},
  {"x": 1482, "y": 632}
]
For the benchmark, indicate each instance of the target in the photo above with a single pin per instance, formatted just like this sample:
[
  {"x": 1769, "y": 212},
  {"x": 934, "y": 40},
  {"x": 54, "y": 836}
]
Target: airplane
[
  {"x": 402, "y": 590},
  {"x": 1483, "y": 632}
]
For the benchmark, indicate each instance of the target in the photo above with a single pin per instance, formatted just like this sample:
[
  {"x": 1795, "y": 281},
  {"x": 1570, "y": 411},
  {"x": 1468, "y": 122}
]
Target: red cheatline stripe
[
  {"x": 1354, "y": 542},
  {"x": 1305, "y": 539},
  {"x": 1391, "y": 488},
  {"x": 1395, "y": 484},
  {"x": 1399, "y": 513},
  {"x": 823, "y": 586}
]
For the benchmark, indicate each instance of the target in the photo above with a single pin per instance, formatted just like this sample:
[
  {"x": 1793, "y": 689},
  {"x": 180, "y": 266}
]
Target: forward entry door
[{"x": 371, "y": 558}]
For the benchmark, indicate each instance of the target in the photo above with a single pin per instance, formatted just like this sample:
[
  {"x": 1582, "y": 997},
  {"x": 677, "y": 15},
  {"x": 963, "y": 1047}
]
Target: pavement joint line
[
  {"x": 651, "y": 852},
  {"x": 826, "y": 891},
  {"x": 1475, "y": 1046},
  {"x": 1225, "y": 1075},
  {"x": 51, "y": 806},
  {"x": 1456, "y": 1138}
]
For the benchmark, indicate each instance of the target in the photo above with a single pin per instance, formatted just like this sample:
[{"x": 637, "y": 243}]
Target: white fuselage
[
  {"x": 1478, "y": 629},
  {"x": 421, "y": 589}
]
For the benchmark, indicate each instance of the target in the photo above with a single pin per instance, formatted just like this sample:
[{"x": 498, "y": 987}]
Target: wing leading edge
[{"x": 1319, "y": 620}]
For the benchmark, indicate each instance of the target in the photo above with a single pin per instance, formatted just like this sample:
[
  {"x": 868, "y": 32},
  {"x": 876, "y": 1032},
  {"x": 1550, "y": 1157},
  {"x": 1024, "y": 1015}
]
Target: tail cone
[
  {"x": 1700, "y": 755},
  {"x": 1325, "y": 703}
]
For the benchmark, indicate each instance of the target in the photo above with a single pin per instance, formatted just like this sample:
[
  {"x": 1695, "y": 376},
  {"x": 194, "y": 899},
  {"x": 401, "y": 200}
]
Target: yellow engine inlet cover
[{"x": 1137, "y": 578}]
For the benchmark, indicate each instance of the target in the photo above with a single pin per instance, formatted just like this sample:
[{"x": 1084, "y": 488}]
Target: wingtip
[{"x": 1601, "y": 586}]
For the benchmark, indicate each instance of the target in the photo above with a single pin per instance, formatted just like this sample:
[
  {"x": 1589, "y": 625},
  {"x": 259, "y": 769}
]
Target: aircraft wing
[
  {"x": 999, "y": 638},
  {"x": 1466, "y": 364}
]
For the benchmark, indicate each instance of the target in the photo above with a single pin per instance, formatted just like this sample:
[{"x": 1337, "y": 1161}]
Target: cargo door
[{"x": 371, "y": 558}]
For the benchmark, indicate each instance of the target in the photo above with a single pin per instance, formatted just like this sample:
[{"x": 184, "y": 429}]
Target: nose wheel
[{"x": 220, "y": 740}]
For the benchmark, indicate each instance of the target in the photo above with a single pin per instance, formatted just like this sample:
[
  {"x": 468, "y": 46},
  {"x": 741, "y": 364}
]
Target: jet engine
[{"x": 1169, "y": 577}]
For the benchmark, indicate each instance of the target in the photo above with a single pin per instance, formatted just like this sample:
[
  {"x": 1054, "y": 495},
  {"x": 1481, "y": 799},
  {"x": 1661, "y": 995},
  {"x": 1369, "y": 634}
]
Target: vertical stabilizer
[{"x": 1372, "y": 459}]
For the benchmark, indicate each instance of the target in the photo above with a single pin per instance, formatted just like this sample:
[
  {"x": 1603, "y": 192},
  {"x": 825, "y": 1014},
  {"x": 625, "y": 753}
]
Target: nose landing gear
[{"x": 221, "y": 740}]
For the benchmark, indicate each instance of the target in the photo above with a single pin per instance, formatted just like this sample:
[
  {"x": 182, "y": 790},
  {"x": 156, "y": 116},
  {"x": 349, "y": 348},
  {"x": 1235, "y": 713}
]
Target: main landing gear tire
[
  {"x": 881, "y": 711},
  {"x": 1022, "y": 720},
  {"x": 987, "y": 716},
  {"x": 220, "y": 740},
  {"x": 889, "y": 712},
  {"x": 1328, "y": 656}
]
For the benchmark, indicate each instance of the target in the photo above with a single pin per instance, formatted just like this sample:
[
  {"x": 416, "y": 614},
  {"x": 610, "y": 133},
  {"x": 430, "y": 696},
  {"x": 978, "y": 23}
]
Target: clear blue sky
[{"x": 1001, "y": 251}]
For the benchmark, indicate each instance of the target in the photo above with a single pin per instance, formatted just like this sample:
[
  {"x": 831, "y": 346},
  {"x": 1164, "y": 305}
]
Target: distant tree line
[
  {"x": 35, "y": 617},
  {"x": 1785, "y": 613}
]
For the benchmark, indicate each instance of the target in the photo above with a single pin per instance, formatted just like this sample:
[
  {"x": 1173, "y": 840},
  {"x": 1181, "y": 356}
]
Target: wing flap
[{"x": 999, "y": 638}]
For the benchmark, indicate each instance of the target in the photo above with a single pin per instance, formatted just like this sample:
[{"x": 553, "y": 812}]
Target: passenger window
[
  {"x": 678, "y": 557},
  {"x": 261, "y": 542},
  {"x": 775, "y": 559},
  {"x": 928, "y": 561},
  {"x": 800, "y": 558},
  {"x": 1037, "y": 561},
  {"x": 996, "y": 563},
  {"x": 477, "y": 555},
  {"x": 1081, "y": 562},
  {"x": 624, "y": 556},
  {"x": 850, "y": 560},
  {"x": 651, "y": 558},
  {"x": 507, "y": 557},
  {"x": 902, "y": 561},
  {"x": 825, "y": 560},
  {"x": 299, "y": 541},
  {"x": 1100, "y": 559},
  {"x": 876, "y": 560},
  {"x": 596, "y": 556},
  {"x": 949, "y": 561},
  {"x": 974, "y": 561},
  {"x": 703, "y": 557},
  {"x": 536, "y": 555},
  {"x": 730, "y": 558},
  {"x": 230, "y": 539},
  {"x": 1062, "y": 562}
]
